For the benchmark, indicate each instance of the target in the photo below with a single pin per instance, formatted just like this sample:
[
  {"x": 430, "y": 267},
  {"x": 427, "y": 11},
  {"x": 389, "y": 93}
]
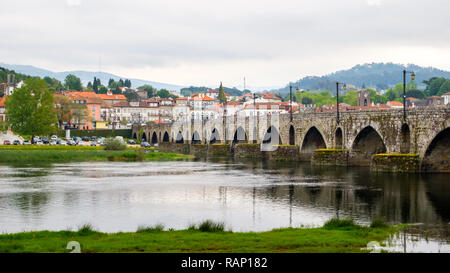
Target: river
[{"x": 246, "y": 195}]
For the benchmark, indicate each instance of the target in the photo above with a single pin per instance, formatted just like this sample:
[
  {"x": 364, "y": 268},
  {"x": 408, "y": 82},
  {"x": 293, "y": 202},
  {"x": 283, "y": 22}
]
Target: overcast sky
[{"x": 203, "y": 42}]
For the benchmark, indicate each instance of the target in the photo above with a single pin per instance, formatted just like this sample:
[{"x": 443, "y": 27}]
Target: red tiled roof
[
  {"x": 94, "y": 95},
  {"x": 394, "y": 103},
  {"x": 2, "y": 101}
]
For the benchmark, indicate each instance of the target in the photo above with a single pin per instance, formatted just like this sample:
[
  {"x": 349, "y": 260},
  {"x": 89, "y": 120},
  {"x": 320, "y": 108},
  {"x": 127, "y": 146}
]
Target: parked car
[
  {"x": 53, "y": 137},
  {"x": 6, "y": 142},
  {"x": 85, "y": 138},
  {"x": 39, "y": 143},
  {"x": 45, "y": 140},
  {"x": 35, "y": 140},
  {"x": 63, "y": 143},
  {"x": 16, "y": 142},
  {"x": 53, "y": 142},
  {"x": 100, "y": 140},
  {"x": 93, "y": 138},
  {"x": 26, "y": 142},
  {"x": 132, "y": 142},
  {"x": 78, "y": 140},
  {"x": 145, "y": 144},
  {"x": 71, "y": 142},
  {"x": 93, "y": 143}
]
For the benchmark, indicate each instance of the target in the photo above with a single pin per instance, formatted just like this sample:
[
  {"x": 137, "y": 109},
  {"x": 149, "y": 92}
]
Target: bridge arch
[
  {"x": 239, "y": 136},
  {"x": 179, "y": 138},
  {"x": 338, "y": 136},
  {"x": 272, "y": 136},
  {"x": 437, "y": 155},
  {"x": 368, "y": 142},
  {"x": 196, "y": 138},
  {"x": 154, "y": 138},
  {"x": 291, "y": 135},
  {"x": 166, "y": 137},
  {"x": 405, "y": 139},
  {"x": 215, "y": 136},
  {"x": 313, "y": 140},
  {"x": 144, "y": 137}
]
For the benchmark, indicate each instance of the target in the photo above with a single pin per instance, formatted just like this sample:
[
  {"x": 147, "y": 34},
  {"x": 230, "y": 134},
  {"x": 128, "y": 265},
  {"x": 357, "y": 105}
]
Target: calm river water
[{"x": 247, "y": 196}]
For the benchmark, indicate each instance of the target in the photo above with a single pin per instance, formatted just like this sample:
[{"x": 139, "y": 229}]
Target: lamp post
[
  {"x": 255, "y": 118},
  {"x": 337, "y": 98},
  {"x": 413, "y": 76}
]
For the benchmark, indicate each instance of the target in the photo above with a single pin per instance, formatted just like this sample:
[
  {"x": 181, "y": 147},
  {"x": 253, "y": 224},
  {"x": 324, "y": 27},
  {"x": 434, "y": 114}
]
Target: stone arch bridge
[{"x": 362, "y": 134}]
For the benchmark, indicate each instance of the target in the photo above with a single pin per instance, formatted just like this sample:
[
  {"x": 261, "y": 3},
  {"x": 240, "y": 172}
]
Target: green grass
[
  {"x": 70, "y": 154},
  {"x": 336, "y": 237}
]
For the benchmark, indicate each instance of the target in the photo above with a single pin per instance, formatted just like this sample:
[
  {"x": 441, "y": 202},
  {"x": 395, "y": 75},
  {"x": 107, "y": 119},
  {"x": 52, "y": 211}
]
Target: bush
[
  {"x": 86, "y": 229},
  {"x": 379, "y": 223},
  {"x": 113, "y": 144},
  {"x": 335, "y": 223},
  {"x": 148, "y": 229},
  {"x": 208, "y": 226}
]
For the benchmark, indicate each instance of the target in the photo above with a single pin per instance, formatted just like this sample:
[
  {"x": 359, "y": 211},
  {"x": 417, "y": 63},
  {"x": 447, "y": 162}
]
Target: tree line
[{"x": 435, "y": 86}]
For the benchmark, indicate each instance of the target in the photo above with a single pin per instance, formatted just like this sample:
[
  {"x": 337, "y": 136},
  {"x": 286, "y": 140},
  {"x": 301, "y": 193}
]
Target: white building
[{"x": 446, "y": 97}]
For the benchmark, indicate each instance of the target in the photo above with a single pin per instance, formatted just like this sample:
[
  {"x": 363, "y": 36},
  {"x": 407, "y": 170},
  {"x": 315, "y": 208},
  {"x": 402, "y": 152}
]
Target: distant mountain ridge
[
  {"x": 85, "y": 76},
  {"x": 381, "y": 75}
]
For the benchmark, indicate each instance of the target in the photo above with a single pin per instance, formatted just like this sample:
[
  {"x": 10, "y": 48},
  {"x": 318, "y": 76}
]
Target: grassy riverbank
[
  {"x": 335, "y": 236},
  {"x": 33, "y": 153}
]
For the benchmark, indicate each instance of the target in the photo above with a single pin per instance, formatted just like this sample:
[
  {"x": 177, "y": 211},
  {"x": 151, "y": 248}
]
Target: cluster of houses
[
  {"x": 105, "y": 111},
  {"x": 113, "y": 110}
]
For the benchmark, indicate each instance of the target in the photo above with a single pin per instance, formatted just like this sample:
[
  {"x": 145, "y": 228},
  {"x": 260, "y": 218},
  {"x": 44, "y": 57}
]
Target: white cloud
[
  {"x": 202, "y": 42},
  {"x": 373, "y": 2},
  {"x": 72, "y": 3}
]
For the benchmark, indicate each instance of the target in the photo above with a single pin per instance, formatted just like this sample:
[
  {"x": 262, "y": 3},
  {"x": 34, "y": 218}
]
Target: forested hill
[{"x": 377, "y": 75}]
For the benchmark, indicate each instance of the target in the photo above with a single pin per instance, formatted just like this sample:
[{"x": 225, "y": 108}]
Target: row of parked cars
[{"x": 54, "y": 140}]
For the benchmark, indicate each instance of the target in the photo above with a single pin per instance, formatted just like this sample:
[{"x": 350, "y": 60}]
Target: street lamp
[
  {"x": 337, "y": 98},
  {"x": 413, "y": 76}
]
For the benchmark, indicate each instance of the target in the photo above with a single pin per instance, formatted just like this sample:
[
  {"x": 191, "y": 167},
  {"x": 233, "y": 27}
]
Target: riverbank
[
  {"x": 34, "y": 153},
  {"x": 336, "y": 236}
]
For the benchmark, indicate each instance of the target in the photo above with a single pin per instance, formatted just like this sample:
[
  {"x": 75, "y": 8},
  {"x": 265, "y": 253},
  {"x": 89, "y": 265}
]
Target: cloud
[
  {"x": 373, "y": 2},
  {"x": 203, "y": 42},
  {"x": 73, "y": 3}
]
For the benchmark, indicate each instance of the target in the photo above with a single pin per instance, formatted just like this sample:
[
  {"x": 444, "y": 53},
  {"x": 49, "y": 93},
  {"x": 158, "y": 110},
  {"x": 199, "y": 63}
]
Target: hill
[
  {"x": 85, "y": 76},
  {"x": 377, "y": 75}
]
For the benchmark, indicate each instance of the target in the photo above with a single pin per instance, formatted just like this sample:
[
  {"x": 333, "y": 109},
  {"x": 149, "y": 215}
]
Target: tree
[
  {"x": 151, "y": 91},
  {"x": 307, "y": 100},
  {"x": 222, "y": 96},
  {"x": 127, "y": 83},
  {"x": 3, "y": 126},
  {"x": 445, "y": 87},
  {"x": 434, "y": 86},
  {"x": 96, "y": 84},
  {"x": 415, "y": 93},
  {"x": 163, "y": 93},
  {"x": 131, "y": 95},
  {"x": 72, "y": 82},
  {"x": 30, "y": 109},
  {"x": 89, "y": 87},
  {"x": 79, "y": 113},
  {"x": 412, "y": 85},
  {"x": 351, "y": 98},
  {"x": 63, "y": 109},
  {"x": 53, "y": 84},
  {"x": 102, "y": 89}
]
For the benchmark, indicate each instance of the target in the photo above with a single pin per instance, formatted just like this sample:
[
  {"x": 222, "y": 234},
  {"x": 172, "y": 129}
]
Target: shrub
[
  {"x": 86, "y": 229},
  {"x": 148, "y": 229},
  {"x": 211, "y": 226},
  {"x": 335, "y": 223},
  {"x": 114, "y": 144},
  {"x": 379, "y": 223}
]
